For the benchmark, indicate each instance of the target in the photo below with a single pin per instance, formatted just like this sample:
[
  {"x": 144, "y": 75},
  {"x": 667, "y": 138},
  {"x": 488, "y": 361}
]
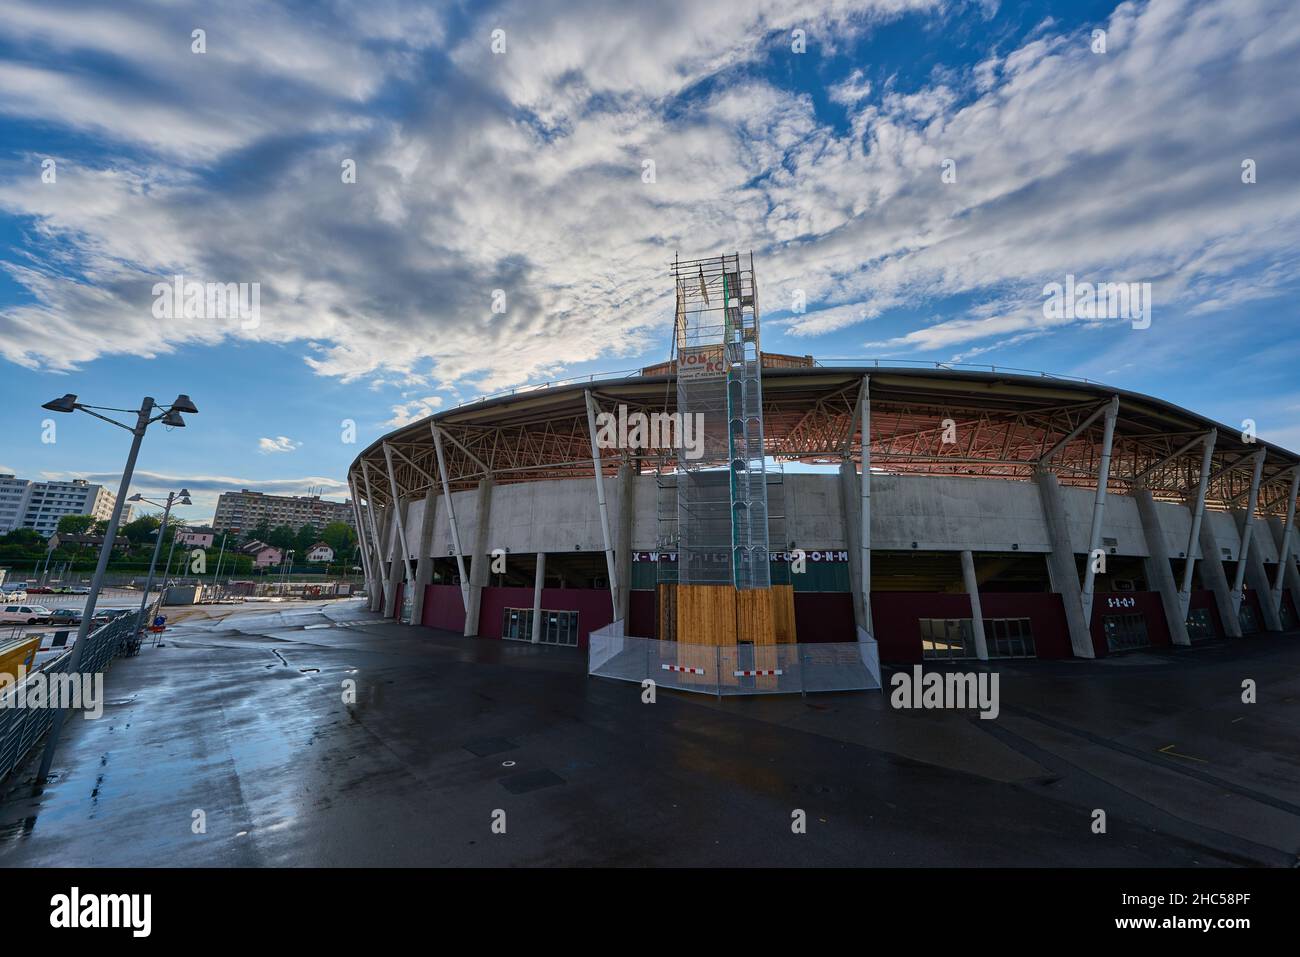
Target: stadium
[{"x": 945, "y": 512}]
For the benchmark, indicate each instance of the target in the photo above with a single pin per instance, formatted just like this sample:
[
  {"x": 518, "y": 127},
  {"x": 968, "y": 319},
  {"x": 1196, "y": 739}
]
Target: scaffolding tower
[{"x": 722, "y": 527}]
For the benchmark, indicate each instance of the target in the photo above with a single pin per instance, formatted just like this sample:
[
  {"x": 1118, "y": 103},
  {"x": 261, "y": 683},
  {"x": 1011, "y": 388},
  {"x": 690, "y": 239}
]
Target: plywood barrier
[
  {"x": 783, "y": 614},
  {"x": 754, "y": 617},
  {"x": 706, "y": 614},
  {"x": 667, "y": 624}
]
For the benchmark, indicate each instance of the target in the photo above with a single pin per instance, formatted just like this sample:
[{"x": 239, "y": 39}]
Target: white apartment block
[
  {"x": 244, "y": 510},
  {"x": 40, "y": 505}
]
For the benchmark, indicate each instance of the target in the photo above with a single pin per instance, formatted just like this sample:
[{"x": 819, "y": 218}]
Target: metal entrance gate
[{"x": 558, "y": 627}]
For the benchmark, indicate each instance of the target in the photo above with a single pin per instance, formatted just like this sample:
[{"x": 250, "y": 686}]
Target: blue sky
[{"x": 523, "y": 171}]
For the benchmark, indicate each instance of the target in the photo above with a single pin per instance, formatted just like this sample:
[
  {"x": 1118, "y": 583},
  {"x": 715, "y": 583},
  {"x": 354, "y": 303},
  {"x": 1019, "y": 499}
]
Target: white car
[
  {"x": 27, "y": 614},
  {"x": 16, "y": 595}
]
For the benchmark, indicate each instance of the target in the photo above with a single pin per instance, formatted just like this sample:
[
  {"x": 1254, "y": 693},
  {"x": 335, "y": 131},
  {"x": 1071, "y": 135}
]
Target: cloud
[
  {"x": 281, "y": 443},
  {"x": 413, "y": 410},
  {"x": 523, "y": 172}
]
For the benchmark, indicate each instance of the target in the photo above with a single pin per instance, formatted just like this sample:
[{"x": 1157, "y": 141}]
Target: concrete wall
[{"x": 946, "y": 514}]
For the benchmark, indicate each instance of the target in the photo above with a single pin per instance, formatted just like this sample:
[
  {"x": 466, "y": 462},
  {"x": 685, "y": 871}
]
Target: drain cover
[
  {"x": 531, "y": 781},
  {"x": 487, "y": 746}
]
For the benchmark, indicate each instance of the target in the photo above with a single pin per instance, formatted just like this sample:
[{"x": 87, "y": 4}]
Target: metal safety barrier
[
  {"x": 22, "y": 728},
  {"x": 742, "y": 669}
]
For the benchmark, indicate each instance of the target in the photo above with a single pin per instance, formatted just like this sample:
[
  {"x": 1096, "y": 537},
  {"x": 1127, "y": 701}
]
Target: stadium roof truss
[{"x": 923, "y": 422}]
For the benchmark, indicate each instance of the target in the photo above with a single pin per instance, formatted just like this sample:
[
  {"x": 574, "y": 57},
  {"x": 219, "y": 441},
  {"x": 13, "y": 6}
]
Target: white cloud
[
  {"x": 413, "y": 410},
  {"x": 523, "y": 172},
  {"x": 281, "y": 443}
]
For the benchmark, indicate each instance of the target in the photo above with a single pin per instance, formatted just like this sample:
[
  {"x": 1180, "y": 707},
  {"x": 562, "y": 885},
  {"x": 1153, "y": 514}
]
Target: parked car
[
  {"x": 19, "y": 595},
  {"x": 76, "y": 590},
  {"x": 41, "y": 590},
  {"x": 65, "y": 616},
  {"x": 28, "y": 614}
]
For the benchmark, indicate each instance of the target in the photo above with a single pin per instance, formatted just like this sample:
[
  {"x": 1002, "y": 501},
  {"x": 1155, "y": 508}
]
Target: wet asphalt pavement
[{"x": 240, "y": 725}]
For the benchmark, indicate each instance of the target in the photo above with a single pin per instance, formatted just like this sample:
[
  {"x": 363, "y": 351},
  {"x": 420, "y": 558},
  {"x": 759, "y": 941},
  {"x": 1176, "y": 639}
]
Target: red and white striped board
[
  {"x": 761, "y": 671},
  {"x": 689, "y": 670}
]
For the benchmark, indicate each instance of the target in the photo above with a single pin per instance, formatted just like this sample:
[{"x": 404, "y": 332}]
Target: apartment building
[
  {"x": 40, "y": 505},
  {"x": 244, "y": 510}
]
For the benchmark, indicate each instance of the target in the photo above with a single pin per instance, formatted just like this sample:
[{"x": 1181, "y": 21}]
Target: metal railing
[
  {"x": 735, "y": 669},
  {"x": 21, "y": 728}
]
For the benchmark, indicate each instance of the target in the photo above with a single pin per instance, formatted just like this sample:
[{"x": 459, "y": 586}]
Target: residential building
[
  {"x": 40, "y": 505},
  {"x": 244, "y": 510},
  {"x": 320, "y": 552},
  {"x": 196, "y": 537},
  {"x": 263, "y": 554}
]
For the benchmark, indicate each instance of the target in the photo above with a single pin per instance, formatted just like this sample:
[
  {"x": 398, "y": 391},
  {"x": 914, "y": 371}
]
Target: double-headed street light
[
  {"x": 183, "y": 498},
  {"x": 144, "y": 417}
]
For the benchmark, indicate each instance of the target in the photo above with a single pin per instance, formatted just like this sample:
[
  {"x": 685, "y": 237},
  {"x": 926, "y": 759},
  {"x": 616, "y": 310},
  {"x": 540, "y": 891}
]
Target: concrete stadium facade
[{"x": 1006, "y": 515}]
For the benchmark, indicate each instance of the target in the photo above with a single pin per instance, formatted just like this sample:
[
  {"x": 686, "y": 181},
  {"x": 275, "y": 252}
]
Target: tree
[
  {"x": 23, "y": 538},
  {"x": 340, "y": 537},
  {"x": 305, "y": 539},
  {"x": 75, "y": 525},
  {"x": 141, "y": 530},
  {"x": 282, "y": 537},
  {"x": 261, "y": 532}
]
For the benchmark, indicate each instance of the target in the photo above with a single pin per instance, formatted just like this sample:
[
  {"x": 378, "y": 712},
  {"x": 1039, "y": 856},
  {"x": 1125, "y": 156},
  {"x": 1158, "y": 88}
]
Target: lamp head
[
  {"x": 137, "y": 497},
  {"x": 66, "y": 404},
  {"x": 173, "y": 418},
  {"x": 183, "y": 404}
]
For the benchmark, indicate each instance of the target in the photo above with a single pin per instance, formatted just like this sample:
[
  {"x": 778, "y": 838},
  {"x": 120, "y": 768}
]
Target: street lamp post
[
  {"x": 144, "y": 417},
  {"x": 183, "y": 496}
]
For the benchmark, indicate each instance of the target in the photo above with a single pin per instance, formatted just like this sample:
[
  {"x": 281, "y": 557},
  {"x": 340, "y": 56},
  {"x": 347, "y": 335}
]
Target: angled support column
[
  {"x": 1246, "y": 530},
  {"x": 864, "y": 534},
  {"x": 977, "y": 613},
  {"x": 1158, "y": 570},
  {"x": 1284, "y": 549},
  {"x": 424, "y": 554},
  {"x": 1060, "y": 564},
  {"x": 394, "y": 519},
  {"x": 409, "y": 580},
  {"x": 1098, "y": 510},
  {"x": 539, "y": 582},
  {"x": 451, "y": 517},
  {"x": 600, "y": 502},
  {"x": 480, "y": 568},
  {"x": 377, "y": 601},
  {"x": 1214, "y": 577},
  {"x": 850, "y": 505},
  {"x": 1257, "y": 579},
  {"x": 1198, "y": 515},
  {"x": 366, "y": 566},
  {"x": 623, "y": 560}
]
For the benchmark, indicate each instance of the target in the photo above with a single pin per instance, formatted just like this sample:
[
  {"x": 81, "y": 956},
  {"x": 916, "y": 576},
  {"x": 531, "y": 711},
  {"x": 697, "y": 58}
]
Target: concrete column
[
  {"x": 623, "y": 559},
  {"x": 864, "y": 536},
  {"x": 1290, "y": 575},
  {"x": 1193, "y": 535},
  {"x": 1247, "y": 528},
  {"x": 424, "y": 554},
  {"x": 408, "y": 576},
  {"x": 610, "y": 570},
  {"x": 480, "y": 566},
  {"x": 1213, "y": 575},
  {"x": 1060, "y": 564},
  {"x": 977, "y": 613},
  {"x": 376, "y": 601},
  {"x": 1284, "y": 544},
  {"x": 451, "y": 517},
  {"x": 851, "y": 504},
  {"x": 396, "y": 516},
  {"x": 1159, "y": 572},
  {"x": 1098, "y": 509},
  {"x": 539, "y": 582},
  {"x": 1257, "y": 576},
  {"x": 366, "y": 567}
]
